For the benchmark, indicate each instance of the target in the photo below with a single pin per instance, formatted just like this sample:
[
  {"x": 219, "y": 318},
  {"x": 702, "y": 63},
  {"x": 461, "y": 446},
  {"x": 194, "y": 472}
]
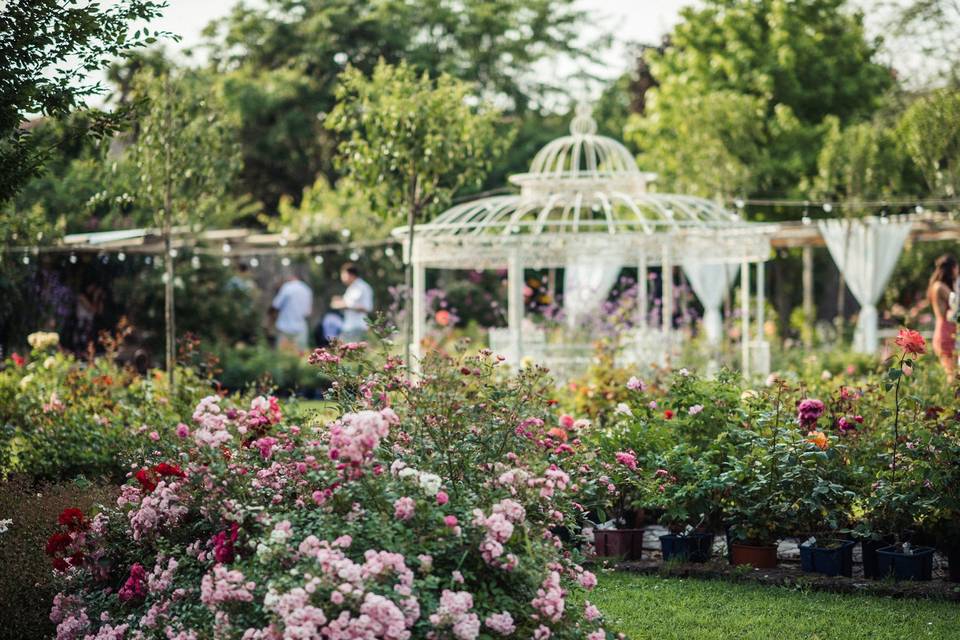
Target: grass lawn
[
  {"x": 650, "y": 607},
  {"x": 308, "y": 409}
]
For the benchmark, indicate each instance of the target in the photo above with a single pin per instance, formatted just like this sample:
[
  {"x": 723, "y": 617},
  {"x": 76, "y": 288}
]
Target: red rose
[
  {"x": 165, "y": 469},
  {"x": 18, "y": 359},
  {"x": 147, "y": 479},
  {"x": 58, "y": 542},
  {"x": 72, "y": 519},
  {"x": 60, "y": 564},
  {"x": 911, "y": 341},
  {"x": 668, "y": 414}
]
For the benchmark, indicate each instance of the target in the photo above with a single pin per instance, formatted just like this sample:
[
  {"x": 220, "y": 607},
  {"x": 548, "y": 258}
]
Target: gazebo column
[
  {"x": 515, "y": 305},
  {"x": 642, "y": 293},
  {"x": 745, "y": 318},
  {"x": 666, "y": 319},
  {"x": 419, "y": 315}
]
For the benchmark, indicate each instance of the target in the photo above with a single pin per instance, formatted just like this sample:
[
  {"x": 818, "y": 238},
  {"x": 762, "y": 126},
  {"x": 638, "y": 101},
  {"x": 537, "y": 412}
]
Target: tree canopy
[
  {"x": 49, "y": 48},
  {"x": 755, "y": 81}
]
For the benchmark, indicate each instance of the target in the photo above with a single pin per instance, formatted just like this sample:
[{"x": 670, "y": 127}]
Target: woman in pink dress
[{"x": 941, "y": 285}]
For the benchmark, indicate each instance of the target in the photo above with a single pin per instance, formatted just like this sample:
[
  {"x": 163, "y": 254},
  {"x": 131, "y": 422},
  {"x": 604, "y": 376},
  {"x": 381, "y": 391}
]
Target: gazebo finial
[{"x": 583, "y": 123}]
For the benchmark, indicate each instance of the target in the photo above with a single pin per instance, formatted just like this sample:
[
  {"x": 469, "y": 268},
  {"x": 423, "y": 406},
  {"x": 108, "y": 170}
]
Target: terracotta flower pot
[
  {"x": 764, "y": 557},
  {"x": 625, "y": 543}
]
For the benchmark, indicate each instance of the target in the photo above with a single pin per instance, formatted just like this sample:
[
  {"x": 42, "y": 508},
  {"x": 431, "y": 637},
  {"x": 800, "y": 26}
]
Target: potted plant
[
  {"x": 620, "y": 489},
  {"x": 902, "y": 495},
  {"x": 688, "y": 489},
  {"x": 753, "y": 507}
]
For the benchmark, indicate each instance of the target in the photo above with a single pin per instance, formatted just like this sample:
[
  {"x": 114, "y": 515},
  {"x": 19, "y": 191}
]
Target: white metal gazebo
[{"x": 584, "y": 201}]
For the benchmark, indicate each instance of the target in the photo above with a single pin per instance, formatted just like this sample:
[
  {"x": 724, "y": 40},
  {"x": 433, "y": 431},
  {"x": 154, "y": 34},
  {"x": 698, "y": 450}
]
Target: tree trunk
[
  {"x": 168, "y": 271},
  {"x": 408, "y": 287}
]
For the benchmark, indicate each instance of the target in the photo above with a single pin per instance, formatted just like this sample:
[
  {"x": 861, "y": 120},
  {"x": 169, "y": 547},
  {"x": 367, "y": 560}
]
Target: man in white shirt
[
  {"x": 356, "y": 303},
  {"x": 293, "y": 305}
]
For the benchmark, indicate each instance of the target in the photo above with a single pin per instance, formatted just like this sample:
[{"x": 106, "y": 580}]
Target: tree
[
  {"x": 788, "y": 63},
  {"x": 930, "y": 132},
  {"x": 413, "y": 142},
  {"x": 280, "y": 60},
  {"x": 187, "y": 159},
  {"x": 48, "y": 48}
]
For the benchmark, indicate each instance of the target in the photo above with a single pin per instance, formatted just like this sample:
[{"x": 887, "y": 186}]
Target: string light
[
  {"x": 195, "y": 262},
  {"x": 173, "y": 253},
  {"x": 318, "y": 259},
  {"x": 225, "y": 262},
  {"x": 354, "y": 256},
  {"x": 121, "y": 256},
  {"x": 73, "y": 258},
  {"x": 388, "y": 252},
  {"x": 345, "y": 233},
  {"x": 26, "y": 259},
  {"x": 285, "y": 262},
  {"x": 226, "y": 247},
  {"x": 254, "y": 262}
]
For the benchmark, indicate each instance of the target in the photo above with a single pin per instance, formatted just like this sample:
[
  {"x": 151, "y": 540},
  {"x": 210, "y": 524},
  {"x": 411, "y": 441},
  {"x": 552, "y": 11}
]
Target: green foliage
[
  {"x": 62, "y": 417},
  {"x": 756, "y": 80},
  {"x": 49, "y": 48},
  {"x": 930, "y": 132},
  {"x": 185, "y": 150},
  {"x": 862, "y": 161},
  {"x": 413, "y": 141}
]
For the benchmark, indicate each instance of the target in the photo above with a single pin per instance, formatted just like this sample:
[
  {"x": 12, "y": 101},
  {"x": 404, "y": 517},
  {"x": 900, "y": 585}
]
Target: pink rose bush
[{"x": 429, "y": 509}]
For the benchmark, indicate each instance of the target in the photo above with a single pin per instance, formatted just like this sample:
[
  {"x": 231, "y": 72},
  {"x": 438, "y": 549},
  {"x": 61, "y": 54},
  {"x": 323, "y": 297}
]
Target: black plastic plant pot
[
  {"x": 835, "y": 558},
  {"x": 917, "y": 565},
  {"x": 696, "y": 547}
]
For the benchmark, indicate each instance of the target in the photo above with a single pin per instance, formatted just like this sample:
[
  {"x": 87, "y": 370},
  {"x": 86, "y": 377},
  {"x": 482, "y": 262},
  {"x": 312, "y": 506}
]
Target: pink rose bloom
[
  {"x": 403, "y": 508},
  {"x": 627, "y": 459},
  {"x": 154, "y": 436},
  {"x": 450, "y": 521},
  {"x": 635, "y": 384},
  {"x": 566, "y": 421},
  {"x": 183, "y": 431},
  {"x": 590, "y": 612},
  {"x": 501, "y": 623},
  {"x": 587, "y": 580},
  {"x": 442, "y": 498}
]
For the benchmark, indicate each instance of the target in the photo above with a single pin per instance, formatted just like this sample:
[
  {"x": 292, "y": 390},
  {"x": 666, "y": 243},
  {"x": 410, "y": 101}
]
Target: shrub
[
  {"x": 27, "y": 516},
  {"x": 426, "y": 510},
  {"x": 62, "y": 416}
]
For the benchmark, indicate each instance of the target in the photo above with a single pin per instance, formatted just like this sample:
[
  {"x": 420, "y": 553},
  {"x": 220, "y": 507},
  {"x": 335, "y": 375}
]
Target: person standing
[
  {"x": 356, "y": 303},
  {"x": 945, "y": 273},
  {"x": 293, "y": 305}
]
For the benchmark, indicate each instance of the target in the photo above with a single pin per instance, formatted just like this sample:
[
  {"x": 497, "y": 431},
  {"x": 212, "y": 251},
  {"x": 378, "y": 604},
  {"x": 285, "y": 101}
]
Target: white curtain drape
[
  {"x": 709, "y": 282},
  {"x": 866, "y": 251},
  {"x": 587, "y": 281}
]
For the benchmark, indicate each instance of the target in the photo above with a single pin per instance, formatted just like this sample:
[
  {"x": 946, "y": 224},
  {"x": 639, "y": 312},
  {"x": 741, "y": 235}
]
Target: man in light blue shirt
[{"x": 294, "y": 305}]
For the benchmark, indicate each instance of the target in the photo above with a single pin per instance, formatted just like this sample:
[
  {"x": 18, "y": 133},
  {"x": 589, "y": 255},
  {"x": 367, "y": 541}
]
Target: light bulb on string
[
  {"x": 73, "y": 258},
  {"x": 739, "y": 203},
  {"x": 388, "y": 252},
  {"x": 26, "y": 259},
  {"x": 318, "y": 259},
  {"x": 285, "y": 261},
  {"x": 254, "y": 262},
  {"x": 104, "y": 258},
  {"x": 173, "y": 253},
  {"x": 226, "y": 247},
  {"x": 345, "y": 233},
  {"x": 121, "y": 256},
  {"x": 148, "y": 260},
  {"x": 225, "y": 262},
  {"x": 195, "y": 262},
  {"x": 827, "y": 207},
  {"x": 918, "y": 208},
  {"x": 354, "y": 256}
]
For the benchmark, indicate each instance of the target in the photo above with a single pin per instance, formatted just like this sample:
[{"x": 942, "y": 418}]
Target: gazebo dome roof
[{"x": 581, "y": 190}]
